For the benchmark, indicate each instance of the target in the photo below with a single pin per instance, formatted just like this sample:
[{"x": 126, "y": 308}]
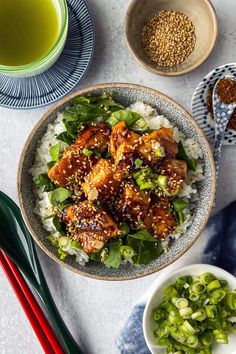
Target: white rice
[{"x": 154, "y": 121}]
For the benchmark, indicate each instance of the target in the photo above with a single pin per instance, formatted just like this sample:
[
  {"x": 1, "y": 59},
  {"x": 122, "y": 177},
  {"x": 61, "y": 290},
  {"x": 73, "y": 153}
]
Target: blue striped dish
[
  {"x": 199, "y": 106},
  {"x": 62, "y": 77}
]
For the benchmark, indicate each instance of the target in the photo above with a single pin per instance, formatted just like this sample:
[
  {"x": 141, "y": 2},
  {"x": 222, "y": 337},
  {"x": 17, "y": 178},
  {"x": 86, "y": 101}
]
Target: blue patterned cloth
[{"x": 220, "y": 250}]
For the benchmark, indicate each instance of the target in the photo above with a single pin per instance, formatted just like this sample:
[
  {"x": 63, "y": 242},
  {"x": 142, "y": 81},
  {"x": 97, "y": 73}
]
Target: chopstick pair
[{"x": 34, "y": 313}]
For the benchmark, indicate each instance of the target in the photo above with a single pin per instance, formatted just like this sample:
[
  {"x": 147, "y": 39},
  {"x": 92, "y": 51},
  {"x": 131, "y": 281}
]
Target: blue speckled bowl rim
[{"x": 27, "y": 212}]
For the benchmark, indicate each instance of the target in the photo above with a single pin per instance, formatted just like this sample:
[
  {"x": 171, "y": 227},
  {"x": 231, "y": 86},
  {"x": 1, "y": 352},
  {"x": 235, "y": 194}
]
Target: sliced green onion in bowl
[
  {"x": 181, "y": 303},
  {"x": 194, "y": 297},
  {"x": 214, "y": 284},
  {"x": 199, "y": 315},
  {"x": 192, "y": 341},
  {"x": 206, "y": 278},
  {"x": 186, "y": 312},
  {"x": 198, "y": 288}
]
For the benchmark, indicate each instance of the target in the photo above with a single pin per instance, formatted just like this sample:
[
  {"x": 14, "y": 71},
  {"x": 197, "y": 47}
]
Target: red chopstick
[{"x": 36, "y": 317}]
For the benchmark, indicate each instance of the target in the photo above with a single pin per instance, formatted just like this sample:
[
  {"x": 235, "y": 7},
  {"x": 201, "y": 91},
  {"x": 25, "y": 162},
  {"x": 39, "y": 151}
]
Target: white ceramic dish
[{"x": 155, "y": 299}]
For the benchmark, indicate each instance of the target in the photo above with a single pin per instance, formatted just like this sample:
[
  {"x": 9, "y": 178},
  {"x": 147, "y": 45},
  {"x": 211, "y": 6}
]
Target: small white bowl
[{"x": 155, "y": 299}]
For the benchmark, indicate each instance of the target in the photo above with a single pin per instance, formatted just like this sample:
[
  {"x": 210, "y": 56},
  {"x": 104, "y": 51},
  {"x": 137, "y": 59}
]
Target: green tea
[{"x": 28, "y": 30}]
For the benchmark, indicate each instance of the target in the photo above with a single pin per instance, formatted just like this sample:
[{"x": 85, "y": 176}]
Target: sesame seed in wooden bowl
[{"x": 171, "y": 38}]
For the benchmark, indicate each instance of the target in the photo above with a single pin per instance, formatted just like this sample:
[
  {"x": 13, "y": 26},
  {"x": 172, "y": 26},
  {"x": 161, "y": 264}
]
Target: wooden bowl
[{"x": 201, "y": 13}]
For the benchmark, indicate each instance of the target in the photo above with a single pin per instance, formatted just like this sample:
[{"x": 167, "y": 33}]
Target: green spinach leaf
[
  {"x": 59, "y": 195},
  {"x": 143, "y": 235},
  {"x": 44, "y": 181},
  {"x": 145, "y": 251},
  {"x": 58, "y": 225},
  {"x": 114, "y": 256},
  {"x": 65, "y": 137},
  {"x": 127, "y": 116},
  {"x": 192, "y": 164}
]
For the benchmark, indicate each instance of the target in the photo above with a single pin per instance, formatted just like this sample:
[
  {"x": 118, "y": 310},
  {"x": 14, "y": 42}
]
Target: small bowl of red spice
[
  {"x": 171, "y": 38},
  {"x": 202, "y": 109}
]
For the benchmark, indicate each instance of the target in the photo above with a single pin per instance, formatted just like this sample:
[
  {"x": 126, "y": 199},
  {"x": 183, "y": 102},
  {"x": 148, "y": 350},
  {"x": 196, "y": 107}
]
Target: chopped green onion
[
  {"x": 140, "y": 125},
  {"x": 199, "y": 315},
  {"x": 191, "y": 318},
  {"x": 194, "y": 297},
  {"x": 87, "y": 152},
  {"x": 127, "y": 251},
  {"x": 217, "y": 296},
  {"x": 220, "y": 336},
  {"x": 53, "y": 240},
  {"x": 138, "y": 163},
  {"x": 207, "y": 338},
  {"x": 198, "y": 288},
  {"x": 187, "y": 329},
  {"x": 62, "y": 254},
  {"x": 162, "y": 181},
  {"x": 186, "y": 312},
  {"x": 170, "y": 291},
  {"x": 179, "y": 284},
  {"x": 214, "y": 284},
  {"x": 192, "y": 341},
  {"x": 64, "y": 243},
  {"x": 181, "y": 303},
  {"x": 174, "y": 318},
  {"x": 112, "y": 121},
  {"x": 160, "y": 152},
  {"x": 206, "y": 350},
  {"x": 211, "y": 311},
  {"x": 178, "y": 336},
  {"x": 158, "y": 314},
  {"x": 206, "y": 278},
  {"x": 146, "y": 185},
  {"x": 104, "y": 254},
  {"x": 231, "y": 301}
]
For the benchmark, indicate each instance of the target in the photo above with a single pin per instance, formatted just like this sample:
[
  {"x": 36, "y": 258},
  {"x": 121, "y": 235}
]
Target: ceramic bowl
[
  {"x": 155, "y": 299},
  {"x": 125, "y": 94},
  {"x": 200, "y": 111},
  {"x": 200, "y": 12},
  {"x": 43, "y": 64}
]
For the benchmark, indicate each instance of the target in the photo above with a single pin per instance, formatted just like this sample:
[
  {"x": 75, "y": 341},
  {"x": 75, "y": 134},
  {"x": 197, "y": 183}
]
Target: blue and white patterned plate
[
  {"x": 199, "y": 106},
  {"x": 63, "y": 76}
]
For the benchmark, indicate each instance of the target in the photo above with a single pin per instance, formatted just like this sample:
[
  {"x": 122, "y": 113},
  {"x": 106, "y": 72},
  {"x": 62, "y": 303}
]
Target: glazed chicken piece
[
  {"x": 159, "y": 221},
  {"x": 176, "y": 171},
  {"x": 159, "y": 139},
  {"x": 90, "y": 226},
  {"x": 126, "y": 155},
  {"x": 100, "y": 183},
  {"x": 121, "y": 134},
  {"x": 72, "y": 168},
  {"x": 144, "y": 148},
  {"x": 74, "y": 165},
  {"x": 96, "y": 137},
  {"x": 133, "y": 205}
]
